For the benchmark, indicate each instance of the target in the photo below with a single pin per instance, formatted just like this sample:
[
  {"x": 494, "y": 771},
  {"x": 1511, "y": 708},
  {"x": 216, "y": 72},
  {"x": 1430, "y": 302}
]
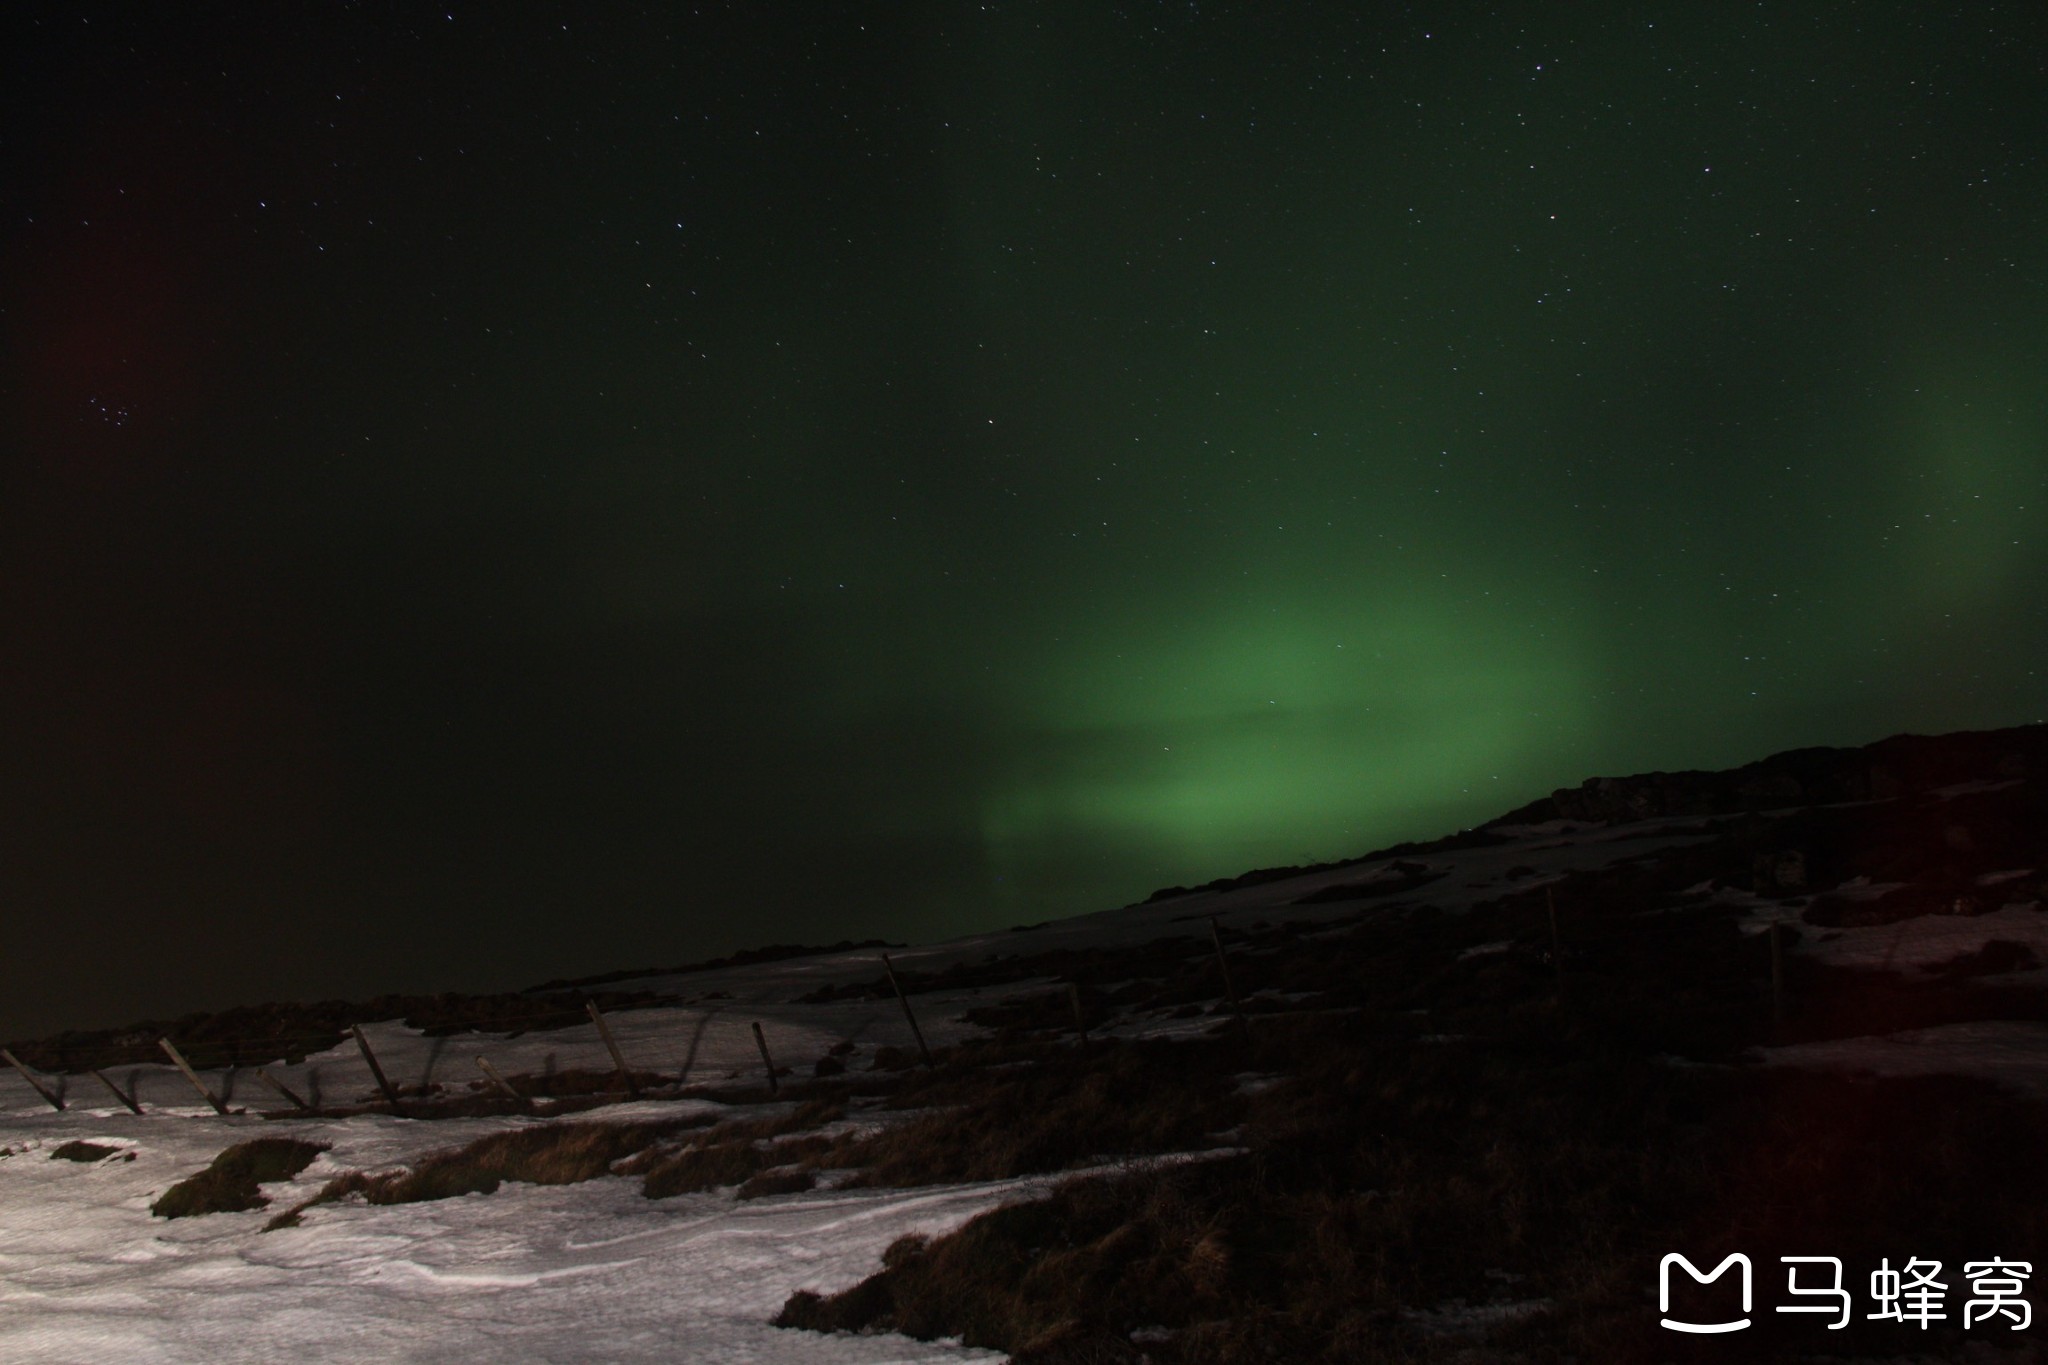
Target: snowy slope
[{"x": 596, "y": 1271}]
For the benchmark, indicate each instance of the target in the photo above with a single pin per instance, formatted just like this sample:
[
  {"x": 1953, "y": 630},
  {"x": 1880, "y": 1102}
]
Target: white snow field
[{"x": 597, "y": 1272}]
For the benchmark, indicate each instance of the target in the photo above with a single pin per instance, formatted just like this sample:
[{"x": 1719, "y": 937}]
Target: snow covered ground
[
  {"x": 1929, "y": 940},
  {"x": 2008, "y": 1052},
  {"x": 595, "y": 1271},
  {"x": 532, "y": 1273}
]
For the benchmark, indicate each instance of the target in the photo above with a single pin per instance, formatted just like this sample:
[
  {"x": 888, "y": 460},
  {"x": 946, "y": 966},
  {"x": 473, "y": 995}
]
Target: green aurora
[{"x": 676, "y": 482}]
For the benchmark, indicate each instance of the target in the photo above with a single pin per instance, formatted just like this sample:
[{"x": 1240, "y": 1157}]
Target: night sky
[{"x": 504, "y": 491}]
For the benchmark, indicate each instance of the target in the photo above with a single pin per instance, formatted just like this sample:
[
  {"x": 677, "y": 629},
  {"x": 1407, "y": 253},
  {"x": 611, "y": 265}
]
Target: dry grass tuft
[
  {"x": 557, "y": 1154},
  {"x": 734, "y": 1153},
  {"x": 229, "y": 1184},
  {"x": 702, "y": 1167},
  {"x": 567, "y": 1153},
  {"x": 552, "y": 1154}
]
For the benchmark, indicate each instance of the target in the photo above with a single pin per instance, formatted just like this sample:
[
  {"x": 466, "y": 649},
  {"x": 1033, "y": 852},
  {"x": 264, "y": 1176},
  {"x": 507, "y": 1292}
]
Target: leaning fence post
[
  {"x": 1229, "y": 988},
  {"x": 119, "y": 1093},
  {"x": 761, "y": 1041},
  {"x": 375, "y": 1070},
  {"x": 502, "y": 1084},
  {"x": 56, "y": 1101},
  {"x": 171, "y": 1051},
  {"x": 281, "y": 1088},
  {"x": 618, "y": 1059},
  {"x": 1080, "y": 1019},
  {"x": 904, "y": 1001}
]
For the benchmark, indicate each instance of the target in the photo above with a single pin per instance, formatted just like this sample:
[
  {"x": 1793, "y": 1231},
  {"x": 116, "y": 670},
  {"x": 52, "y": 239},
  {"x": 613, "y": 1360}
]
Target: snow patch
[{"x": 2008, "y": 1052}]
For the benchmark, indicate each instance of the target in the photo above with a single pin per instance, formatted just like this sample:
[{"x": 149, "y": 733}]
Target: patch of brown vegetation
[
  {"x": 568, "y": 1153},
  {"x": 706, "y": 1166},
  {"x": 1062, "y": 1110},
  {"x": 546, "y": 1154},
  {"x": 734, "y": 1153},
  {"x": 1392, "y": 1177},
  {"x": 229, "y": 1184},
  {"x": 555, "y": 1154}
]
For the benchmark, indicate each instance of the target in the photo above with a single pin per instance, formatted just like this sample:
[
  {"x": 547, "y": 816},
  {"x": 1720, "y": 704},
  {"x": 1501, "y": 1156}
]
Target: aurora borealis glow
[{"x": 535, "y": 489}]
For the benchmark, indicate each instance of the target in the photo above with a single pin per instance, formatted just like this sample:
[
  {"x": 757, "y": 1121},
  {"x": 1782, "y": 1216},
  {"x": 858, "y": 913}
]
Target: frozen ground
[
  {"x": 2010, "y": 1052},
  {"x": 596, "y": 1271},
  {"x": 1929, "y": 940}
]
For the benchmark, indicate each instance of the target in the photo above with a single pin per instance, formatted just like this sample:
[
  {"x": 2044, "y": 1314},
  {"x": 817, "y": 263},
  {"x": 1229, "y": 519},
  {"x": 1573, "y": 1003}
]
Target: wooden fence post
[
  {"x": 1556, "y": 943},
  {"x": 55, "y": 1101},
  {"x": 618, "y": 1059},
  {"x": 1080, "y": 1018},
  {"x": 119, "y": 1094},
  {"x": 904, "y": 1001},
  {"x": 383, "y": 1084},
  {"x": 1229, "y": 988},
  {"x": 171, "y": 1051},
  {"x": 1777, "y": 976},
  {"x": 761, "y": 1041},
  {"x": 502, "y": 1084},
  {"x": 281, "y": 1088}
]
